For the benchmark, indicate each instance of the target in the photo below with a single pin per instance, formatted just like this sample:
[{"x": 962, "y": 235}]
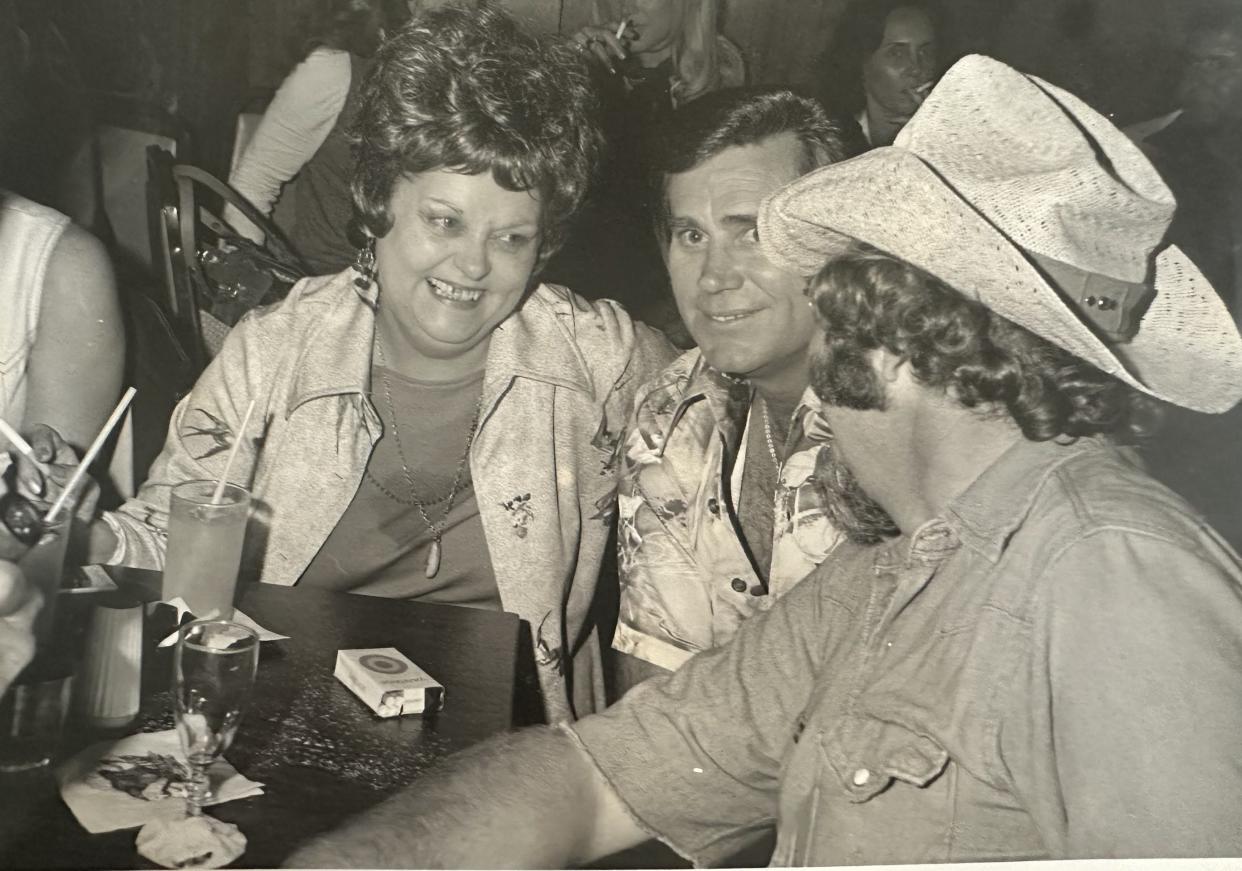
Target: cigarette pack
[{"x": 388, "y": 682}]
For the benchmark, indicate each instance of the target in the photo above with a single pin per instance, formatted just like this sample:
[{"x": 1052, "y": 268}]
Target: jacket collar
[
  {"x": 336, "y": 354},
  {"x": 335, "y": 357}
]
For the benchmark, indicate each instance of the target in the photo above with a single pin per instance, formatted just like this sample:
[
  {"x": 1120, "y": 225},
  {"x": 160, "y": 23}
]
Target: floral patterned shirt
[{"x": 687, "y": 581}]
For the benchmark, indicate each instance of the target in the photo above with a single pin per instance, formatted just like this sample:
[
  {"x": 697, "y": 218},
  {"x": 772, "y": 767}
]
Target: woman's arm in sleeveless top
[
  {"x": 295, "y": 125},
  {"x": 78, "y": 355}
]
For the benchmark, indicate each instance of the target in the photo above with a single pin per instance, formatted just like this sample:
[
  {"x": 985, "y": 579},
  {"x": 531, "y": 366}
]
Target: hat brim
[{"x": 894, "y": 201}]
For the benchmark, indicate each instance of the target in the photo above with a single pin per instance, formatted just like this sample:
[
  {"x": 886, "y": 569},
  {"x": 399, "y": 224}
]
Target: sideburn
[{"x": 846, "y": 378}]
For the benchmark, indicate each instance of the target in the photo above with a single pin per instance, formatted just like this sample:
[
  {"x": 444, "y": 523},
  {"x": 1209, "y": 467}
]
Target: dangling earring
[{"x": 364, "y": 265}]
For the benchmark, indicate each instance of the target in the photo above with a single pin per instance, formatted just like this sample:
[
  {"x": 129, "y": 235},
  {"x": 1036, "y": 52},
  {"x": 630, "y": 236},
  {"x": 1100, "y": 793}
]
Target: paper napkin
[
  {"x": 145, "y": 777},
  {"x": 238, "y": 617}
]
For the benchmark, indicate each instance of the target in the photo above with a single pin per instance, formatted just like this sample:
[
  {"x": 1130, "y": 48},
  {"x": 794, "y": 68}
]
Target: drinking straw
[
  {"x": 91, "y": 453},
  {"x": 22, "y": 446},
  {"x": 228, "y": 463},
  {"x": 625, "y": 22}
]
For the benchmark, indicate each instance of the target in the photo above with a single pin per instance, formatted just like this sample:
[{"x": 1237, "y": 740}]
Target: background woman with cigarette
[
  {"x": 648, "y": 57},
  {"x": 884, "y": 59},
  {"x": 433, "y": 423},
  {"x": 667, "y": 50}
]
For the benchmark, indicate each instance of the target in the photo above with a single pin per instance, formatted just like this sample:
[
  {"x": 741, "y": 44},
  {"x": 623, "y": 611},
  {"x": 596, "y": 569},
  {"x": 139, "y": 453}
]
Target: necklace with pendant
[{"x": 436, "y": 529}]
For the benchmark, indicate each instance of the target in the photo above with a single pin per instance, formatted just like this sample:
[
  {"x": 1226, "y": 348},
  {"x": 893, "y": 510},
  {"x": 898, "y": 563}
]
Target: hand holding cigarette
[
  {"x": 604, "y": 43},
  {"x": 58, "y": 460}
]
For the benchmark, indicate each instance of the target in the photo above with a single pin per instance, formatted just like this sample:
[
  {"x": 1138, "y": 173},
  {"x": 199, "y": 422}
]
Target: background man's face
[{"x": 748, "y": 316}]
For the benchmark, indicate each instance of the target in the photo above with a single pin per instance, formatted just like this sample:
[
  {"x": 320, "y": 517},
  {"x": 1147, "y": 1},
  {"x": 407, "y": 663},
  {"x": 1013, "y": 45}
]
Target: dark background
[{"x": 207, "y": 59}]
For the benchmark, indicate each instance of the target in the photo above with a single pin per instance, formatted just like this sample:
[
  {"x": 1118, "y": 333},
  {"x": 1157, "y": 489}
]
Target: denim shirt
[
  {"x": 687, "y": 581},
  {"x": 1052, "y": 668}
]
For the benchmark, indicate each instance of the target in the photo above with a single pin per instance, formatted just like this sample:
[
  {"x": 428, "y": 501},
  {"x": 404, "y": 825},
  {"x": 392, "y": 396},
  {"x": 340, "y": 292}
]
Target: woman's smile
[{"x": 454, "y": 294}]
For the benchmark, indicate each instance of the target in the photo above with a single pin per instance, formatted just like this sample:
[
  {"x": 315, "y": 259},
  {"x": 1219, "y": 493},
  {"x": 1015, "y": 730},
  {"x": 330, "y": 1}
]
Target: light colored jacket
[{"x": 559, "y": 380}]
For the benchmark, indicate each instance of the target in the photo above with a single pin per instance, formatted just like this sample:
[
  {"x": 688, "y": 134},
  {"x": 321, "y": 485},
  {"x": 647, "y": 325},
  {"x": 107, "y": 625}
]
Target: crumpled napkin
[
  {"x": 123, "y": 784},
  {"x": 191, "y": 842},
  {"x": 238, "y": 617}
]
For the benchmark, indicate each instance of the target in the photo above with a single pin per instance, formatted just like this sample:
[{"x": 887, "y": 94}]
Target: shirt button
[
  {"x": 758, "y": 590},
  {"x": 861, "y": 776},
  {"x": 738, "y": 585}
]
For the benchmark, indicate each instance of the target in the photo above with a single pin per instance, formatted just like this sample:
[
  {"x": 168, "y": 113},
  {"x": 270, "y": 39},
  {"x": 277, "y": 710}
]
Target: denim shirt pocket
[
  {"x": 879, "y": 797},
  {"x": 867, "y": 754}
]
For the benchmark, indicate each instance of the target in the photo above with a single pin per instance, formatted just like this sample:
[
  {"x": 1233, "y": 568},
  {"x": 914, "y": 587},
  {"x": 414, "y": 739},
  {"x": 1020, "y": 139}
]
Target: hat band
[{"x": 1114, "y": 307}]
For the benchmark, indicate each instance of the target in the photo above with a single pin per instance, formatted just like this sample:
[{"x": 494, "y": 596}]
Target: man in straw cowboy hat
[{"x": 1045, "y": 663}]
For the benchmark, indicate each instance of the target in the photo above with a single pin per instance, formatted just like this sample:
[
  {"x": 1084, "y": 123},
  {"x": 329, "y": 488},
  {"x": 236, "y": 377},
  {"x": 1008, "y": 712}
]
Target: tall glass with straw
[{"x": 206, "y": 536}]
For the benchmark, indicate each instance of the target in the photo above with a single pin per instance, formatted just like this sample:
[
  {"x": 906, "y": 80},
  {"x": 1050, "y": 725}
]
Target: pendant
[{"x": 433, "y": 558}]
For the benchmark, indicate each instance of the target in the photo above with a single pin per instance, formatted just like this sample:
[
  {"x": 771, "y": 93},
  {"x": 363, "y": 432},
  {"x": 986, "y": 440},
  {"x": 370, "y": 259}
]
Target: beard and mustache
[
  {"x": 849, "y": 508},
  {"x": 847, "y": 380}
]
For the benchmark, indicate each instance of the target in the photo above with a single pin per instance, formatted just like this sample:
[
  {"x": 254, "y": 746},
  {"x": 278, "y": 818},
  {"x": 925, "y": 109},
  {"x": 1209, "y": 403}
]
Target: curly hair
[
  {"x": 471, "y": 91},
  {"x": 868, "y": 300}
]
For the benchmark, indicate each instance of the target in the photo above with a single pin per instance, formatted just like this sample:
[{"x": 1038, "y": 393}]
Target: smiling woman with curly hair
[{"x": 433, "y": 423}]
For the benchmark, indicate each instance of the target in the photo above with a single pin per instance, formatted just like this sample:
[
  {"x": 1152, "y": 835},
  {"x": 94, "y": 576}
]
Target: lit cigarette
[
  {"x": 22, "y": 446},
  {"x": 625, "y": 22},
  {"x": 922, "y": 90}
]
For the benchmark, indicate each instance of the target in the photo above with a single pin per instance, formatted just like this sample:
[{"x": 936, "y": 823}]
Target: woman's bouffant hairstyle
[
  {"x": 868, "y": 300},
  {"x": 468, "y": 90}
]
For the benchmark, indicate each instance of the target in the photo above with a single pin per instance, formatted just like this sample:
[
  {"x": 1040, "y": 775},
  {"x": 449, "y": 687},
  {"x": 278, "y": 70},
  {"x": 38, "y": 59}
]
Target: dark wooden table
[{"x": 320, "y": 751}]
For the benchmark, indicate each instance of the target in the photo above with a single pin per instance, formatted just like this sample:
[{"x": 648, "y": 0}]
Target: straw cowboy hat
[{"x": 1018, "y": 194}]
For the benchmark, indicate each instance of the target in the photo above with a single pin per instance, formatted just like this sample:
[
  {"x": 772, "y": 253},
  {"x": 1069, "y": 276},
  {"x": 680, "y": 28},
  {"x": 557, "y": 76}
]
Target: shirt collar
[
  {"x": 996, "y": 503},
  {"x": 725, "y": 393},
  {"x": 985, "y": 514},
  {"x": 727, "y": 398}
]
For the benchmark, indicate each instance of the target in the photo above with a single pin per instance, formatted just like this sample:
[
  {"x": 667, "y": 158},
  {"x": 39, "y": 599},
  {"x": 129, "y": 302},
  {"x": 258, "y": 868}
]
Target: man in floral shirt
[{"x": 720, "y": 510}]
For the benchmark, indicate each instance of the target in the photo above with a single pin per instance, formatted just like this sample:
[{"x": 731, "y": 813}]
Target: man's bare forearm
[{"x": 531, "y": 799}]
